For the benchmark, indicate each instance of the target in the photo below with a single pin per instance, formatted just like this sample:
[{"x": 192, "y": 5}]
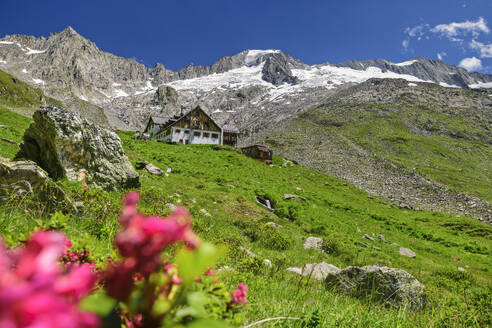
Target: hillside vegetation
[
  {"x": 421, "y": 146},
  {"x": 220, "y": 186}
]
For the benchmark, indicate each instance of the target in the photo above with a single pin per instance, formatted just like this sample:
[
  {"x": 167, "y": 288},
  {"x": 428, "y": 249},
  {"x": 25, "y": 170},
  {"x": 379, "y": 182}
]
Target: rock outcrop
[
  {"x": 276, "y": 70},
  {"x": 26, "y": 179},
  {"x": 65, "y": 145},
  {"x": 318, "y": 271},
  {"x": 392, "y": 286}
]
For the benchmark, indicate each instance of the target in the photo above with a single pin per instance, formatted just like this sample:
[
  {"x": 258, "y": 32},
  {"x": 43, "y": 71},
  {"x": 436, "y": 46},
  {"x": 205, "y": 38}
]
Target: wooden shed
[{"x": 259, "y": 152}]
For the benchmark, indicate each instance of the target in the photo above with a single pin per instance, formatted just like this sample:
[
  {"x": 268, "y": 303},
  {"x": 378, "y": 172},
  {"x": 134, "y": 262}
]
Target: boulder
[
  {"x": 65, "y": 145},
  {"x": 275, "y": 225},
  {"x": 154, "y": 170},
  {"x": 313, "y": 243},
  {"x": 392, "y": 286},
  {"x": 318, "y": 271},
  {"x": 290, "y": 196},
  {"x": 407, "y": 252},
  {"x": 26, "y": 179},
  {"x": 365, "y": 236}
]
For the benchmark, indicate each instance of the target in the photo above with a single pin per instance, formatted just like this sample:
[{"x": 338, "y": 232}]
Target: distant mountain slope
[
  {"x": 249, "y": 88},
  {"x": 419, "y": 145}
]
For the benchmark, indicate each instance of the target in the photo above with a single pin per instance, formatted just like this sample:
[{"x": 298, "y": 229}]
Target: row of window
[{"x": 198, "y": 133}]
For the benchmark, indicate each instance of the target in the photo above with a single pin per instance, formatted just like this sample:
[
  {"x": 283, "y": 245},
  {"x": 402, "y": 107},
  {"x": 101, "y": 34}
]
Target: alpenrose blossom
[
  {"x": 36, "y": 292},
  {"x": 141, "y": 243},
  {"x": 239, "y": 295}
]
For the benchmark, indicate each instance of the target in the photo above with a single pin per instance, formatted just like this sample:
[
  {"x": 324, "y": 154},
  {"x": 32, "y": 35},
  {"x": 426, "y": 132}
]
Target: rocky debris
[
  {"x": 265, "y": 202},
  {"x": 4, "y": 127},
  {"x": 358, "y": 229},
  {"x": 8, "y": 141},
  {"x": 461, "y": 269},
  {"x": 318, "y": 271},
  {"x": 26, "y": 179},
  {"x": 140, "y": 165},
  {"x": 313, "y": 243},
  {"x": 275, "y": 225},
  {"x": 394, "y": 244},
  {"x": 204, "y": 212},
  {"x": 290, "y": 196},
  {"x": 407, "y": 252},
  {"x": 267, "y": 263},
  {"x": 154, "y": 170},
  {"x": 358, "y": 243},
  {"x": 65, "y": 145},
  {"x": 389, "y": 285},
  {"x": 381, "y": 237},
  {"x": 377, "y": 248},
  {"x": 366, "y": 236}
]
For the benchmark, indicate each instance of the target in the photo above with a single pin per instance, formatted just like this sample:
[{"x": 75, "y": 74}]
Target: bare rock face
[
  {"x": 277, "y": 71},
  {"x": 65, "y": 145},
  {"x": 393, "y": 286}
]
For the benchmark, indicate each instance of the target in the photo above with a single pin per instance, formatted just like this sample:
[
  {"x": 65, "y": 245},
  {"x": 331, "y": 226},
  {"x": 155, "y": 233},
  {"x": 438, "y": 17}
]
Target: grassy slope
[
  {"x": 19, "y": 95},
  {"x": 225, "y": 184},
  {"x": 454, "y": 154}
]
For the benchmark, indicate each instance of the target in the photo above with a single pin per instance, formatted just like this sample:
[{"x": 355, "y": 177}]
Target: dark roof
[{"x": 260, "y": 147}]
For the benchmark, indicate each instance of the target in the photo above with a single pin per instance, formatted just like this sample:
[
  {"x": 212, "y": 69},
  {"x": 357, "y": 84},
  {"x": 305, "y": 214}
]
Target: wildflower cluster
[
  {"x": 74, "y": 258},
  {"x": 35, "y": 291},
  {"x": 239, "y": 295}
]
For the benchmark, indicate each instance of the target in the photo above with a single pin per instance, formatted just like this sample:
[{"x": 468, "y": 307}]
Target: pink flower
[
  {"x": 35, "y": 291},
  {"x": 239, "y": 295},
  {"x": 211, "y": 272},
  {"x": 177, "y": 280}
]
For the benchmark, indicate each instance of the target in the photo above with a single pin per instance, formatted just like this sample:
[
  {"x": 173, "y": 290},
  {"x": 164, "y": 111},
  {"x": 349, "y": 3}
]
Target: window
[
  {"x": 196, "y": 133},
  {"x": 206, "y": 134},
  {"x": 187, "y": 131},
  {"x": 178, "y": 130},
  {"x": 215, "y": 135}
]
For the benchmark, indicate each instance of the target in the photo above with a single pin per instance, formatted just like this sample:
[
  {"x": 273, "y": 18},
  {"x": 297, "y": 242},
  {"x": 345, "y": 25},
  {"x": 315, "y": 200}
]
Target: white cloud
[
  {"x": 485, "y": 49},
  {"x": 471, "y": 64},
  {"x": 416, "y": 30},
  {"x": 452, "y": 30},
  {"x": 441, "y": 55},
  {"x": 405, "y": 44}
]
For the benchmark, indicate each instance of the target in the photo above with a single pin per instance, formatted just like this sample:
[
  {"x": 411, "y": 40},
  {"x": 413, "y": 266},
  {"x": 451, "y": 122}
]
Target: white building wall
[{"x": 189, "y": 135}]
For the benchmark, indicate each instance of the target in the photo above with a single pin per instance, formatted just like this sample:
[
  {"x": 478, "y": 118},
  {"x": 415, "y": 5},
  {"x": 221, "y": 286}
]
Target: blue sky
[{"x": 177, "y": 32}]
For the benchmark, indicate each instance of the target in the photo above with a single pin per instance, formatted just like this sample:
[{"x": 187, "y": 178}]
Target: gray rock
[
  {"x": 313, "y": 243},
  {"x": 394, "y": 244},
  {"x": 362, "y": 244},
  {"x": 4, "y": 127},
  {"x": 358, "y": 229},
  {"x": 267, "y": 263},
  {"x": 290, "y": 196},
  {"x": 140, "y": 165},
  {"x": 154, "y": 170},
  {"x": 461, "y": 269},
  {"x": 276, "y": 70},
  {"x": 204, "y": 212},
  {"x": 65, "y": 145},
  {"x": 407, "y": 252},
  {"x": 8, "y": 141},
  {"x": 275, "y": 225},
  {"x": 26, "y": 179},
  {"x": 365, "y": 236},
  {"x": 318, "y": 271},
  {"x": 389, "y": 285},
  {"x": 381, "y": 237}
]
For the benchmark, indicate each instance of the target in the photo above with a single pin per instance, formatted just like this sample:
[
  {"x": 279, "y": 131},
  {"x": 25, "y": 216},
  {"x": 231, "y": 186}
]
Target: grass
[
  {"x": 455, "y": 150},
  {"x": 226, "y": 183},
  {"x": 19, "y": 95}
]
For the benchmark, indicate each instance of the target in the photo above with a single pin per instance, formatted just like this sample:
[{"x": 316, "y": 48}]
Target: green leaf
[
  {"x": 98, "y": 303},
  {"x": 191, "y": 264}
]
